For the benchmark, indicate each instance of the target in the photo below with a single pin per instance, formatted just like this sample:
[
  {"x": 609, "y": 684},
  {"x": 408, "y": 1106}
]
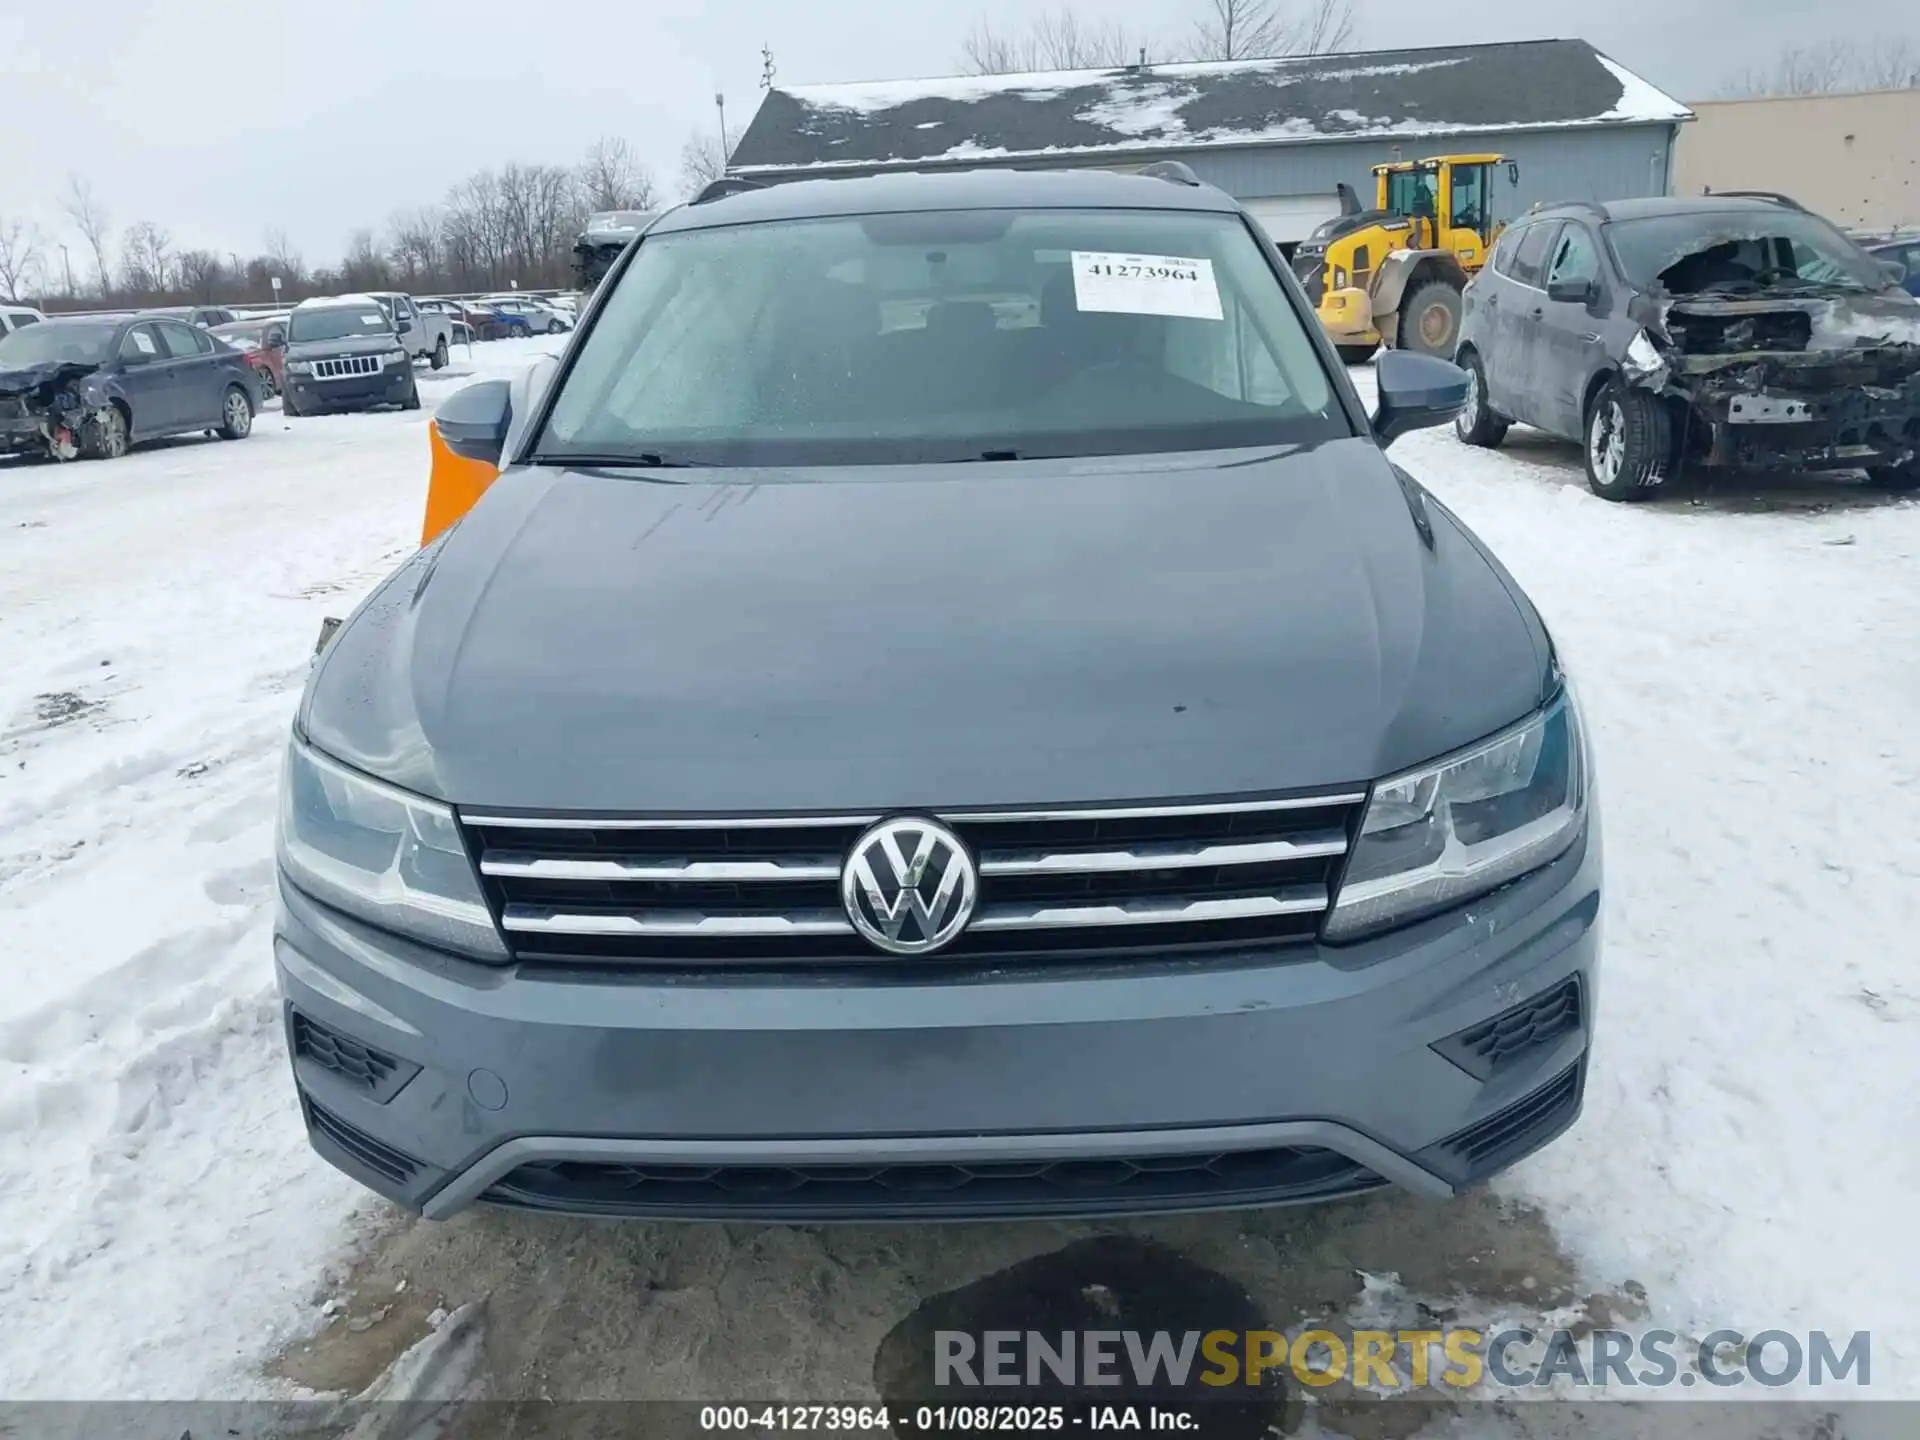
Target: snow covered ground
[
  {"x": 155, "y": 618},
  {"x": 1752, "y": 1137}
]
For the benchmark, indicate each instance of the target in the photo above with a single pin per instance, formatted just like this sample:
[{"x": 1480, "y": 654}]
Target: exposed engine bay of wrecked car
[
  {"x": 46, "y": 409},
  {"x": 53, "y": 396},
  {"x": 1788, "y": 347}
]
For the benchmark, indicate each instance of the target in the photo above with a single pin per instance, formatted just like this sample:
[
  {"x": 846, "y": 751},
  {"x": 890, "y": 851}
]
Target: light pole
[
  {"x": 67, "y": 265},
  {"x": 720, "y": 104}
]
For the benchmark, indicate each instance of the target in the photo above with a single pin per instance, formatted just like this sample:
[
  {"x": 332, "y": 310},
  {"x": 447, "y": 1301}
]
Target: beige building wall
[{"x": 1853, "y": 158}]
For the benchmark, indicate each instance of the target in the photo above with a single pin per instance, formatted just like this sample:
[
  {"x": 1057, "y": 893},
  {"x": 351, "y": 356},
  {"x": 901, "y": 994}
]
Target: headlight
[
  {"x": 299, "y": 367},
  {"x": 1458, "y": 828},
  {"x": 393, "y": 859},
  {"x": 397, "y": 357}
]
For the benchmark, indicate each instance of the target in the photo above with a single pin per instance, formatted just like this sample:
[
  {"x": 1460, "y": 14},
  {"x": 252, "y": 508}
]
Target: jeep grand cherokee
[{"x": 946, "y": 711}]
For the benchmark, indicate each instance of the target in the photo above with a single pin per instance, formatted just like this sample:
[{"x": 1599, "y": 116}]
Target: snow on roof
[
  {"x": 1538, "y": 84},
  {"x": 326, "y": 302}
]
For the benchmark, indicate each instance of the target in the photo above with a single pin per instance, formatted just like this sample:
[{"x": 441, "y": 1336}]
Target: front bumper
[
  {"x": 1347, "y": 316},
  {"x": 359, "y": 392},
  {"x": 1806, "y": 417},
  {"x": 1229, "y": 1081}
]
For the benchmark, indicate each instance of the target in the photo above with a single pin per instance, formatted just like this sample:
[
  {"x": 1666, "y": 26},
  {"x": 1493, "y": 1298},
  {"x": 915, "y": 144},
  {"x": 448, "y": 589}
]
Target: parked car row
[{"x": 1696, "y": 333}]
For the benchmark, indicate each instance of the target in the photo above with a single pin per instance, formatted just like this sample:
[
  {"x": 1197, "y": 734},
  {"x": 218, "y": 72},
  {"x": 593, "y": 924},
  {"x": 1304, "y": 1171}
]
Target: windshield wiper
[{"x": 638, "y": 460}]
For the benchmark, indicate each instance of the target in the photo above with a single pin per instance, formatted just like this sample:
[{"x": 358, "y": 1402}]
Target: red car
[{"x": 263, "y": 342}]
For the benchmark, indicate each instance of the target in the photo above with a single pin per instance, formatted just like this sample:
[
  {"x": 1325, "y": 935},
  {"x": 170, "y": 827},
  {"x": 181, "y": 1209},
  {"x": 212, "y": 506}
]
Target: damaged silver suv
[{"x": 1736, "y": 332}]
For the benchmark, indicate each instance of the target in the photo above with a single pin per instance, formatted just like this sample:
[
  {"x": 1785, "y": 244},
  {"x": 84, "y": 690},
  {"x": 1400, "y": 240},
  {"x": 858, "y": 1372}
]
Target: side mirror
[
  {"x": 1570, "y": 292},
  {"x": 401, "y": 327},
  {"x": 1896, "y": 270},
  {"x": 474, "y": 421},
  {"x": 1417, "y": 392}
]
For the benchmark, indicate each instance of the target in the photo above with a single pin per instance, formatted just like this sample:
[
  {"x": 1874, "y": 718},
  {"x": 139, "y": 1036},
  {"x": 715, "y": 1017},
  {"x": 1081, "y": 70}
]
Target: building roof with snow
[{"x": 1525, "y": 85}]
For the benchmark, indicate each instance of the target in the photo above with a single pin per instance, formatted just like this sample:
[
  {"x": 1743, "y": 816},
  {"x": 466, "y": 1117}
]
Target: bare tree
[
  {"x": 701, "y": 162},
  {"x": 364, "y": 267},
  {"x": 414, "y": 244},
  {"x": 19, "y": 256},
  {"x": 1054, "y": 40},
  {"x": 286, "y": 260},
  {"x": 1253, "y": 29},
  {"x": 1832, "y": 67},
  {"x": 90, "y": 219},
  {"x": 199, "y": 273},
  {"x": 612, "y": 179},
  {"x": 146, "y": 257}
]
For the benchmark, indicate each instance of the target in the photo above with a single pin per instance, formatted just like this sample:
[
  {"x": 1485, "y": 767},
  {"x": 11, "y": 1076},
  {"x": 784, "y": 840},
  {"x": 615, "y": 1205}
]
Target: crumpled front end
[
  {"x": 43, "y": 411},
  {"x": 1801, "y": 381},
  {"x": 1804, "y": 384}
]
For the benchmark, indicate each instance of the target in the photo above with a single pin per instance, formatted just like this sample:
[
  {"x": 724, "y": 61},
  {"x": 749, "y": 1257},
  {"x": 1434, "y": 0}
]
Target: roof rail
[
  {"x": 1176, "y": 171},
  {"x": 726, "y": 185},
  {"x": 1772, "y": 195}
]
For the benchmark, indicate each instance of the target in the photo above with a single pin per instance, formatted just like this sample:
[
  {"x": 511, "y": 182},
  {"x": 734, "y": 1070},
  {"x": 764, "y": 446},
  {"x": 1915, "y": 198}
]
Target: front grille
[
  {"x": 348, "y": 366},
  {"x": 1505, "y": 1136},
  {"x": 378, "y": 1074},
  {"x": 1486, "y": 1049},
  {"x": 358, "y": 1146},
  {"x": 1052, "y": 883},
  {"x": 1275, "y": 1175}
]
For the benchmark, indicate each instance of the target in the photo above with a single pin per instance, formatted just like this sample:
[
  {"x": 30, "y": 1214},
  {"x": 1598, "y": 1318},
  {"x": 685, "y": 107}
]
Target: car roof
[
  {"x": 332, "y": 302},
  {"x": 947, "y": 190},
  {"x": 1653, "y": 206}
]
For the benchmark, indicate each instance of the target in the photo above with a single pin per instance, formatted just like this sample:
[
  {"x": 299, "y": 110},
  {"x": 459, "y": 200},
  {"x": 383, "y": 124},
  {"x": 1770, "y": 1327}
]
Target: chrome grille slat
[
  {"x": 1302, "y": 900},
  {"x": 686, "y": 871},
  {"x": 527, "y": 919},
  {"x": 1106, "y": 880},
  {"x": 1260, "y": 852}
]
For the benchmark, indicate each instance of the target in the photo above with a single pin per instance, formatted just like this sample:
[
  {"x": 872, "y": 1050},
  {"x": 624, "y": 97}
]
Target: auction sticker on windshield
[{"x": 1145, "y": 285}]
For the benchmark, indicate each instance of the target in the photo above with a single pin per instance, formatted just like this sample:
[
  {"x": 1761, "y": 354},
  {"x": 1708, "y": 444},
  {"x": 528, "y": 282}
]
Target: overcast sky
[{"x": 219, "y": 120}]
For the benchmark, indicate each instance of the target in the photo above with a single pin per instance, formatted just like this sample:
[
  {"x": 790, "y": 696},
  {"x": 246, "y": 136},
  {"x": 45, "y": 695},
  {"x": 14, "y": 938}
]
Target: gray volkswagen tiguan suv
[{"x": 946, "y": 711}]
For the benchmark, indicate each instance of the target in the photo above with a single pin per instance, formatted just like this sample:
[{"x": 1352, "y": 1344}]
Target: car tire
[
  {"x": 1478, "y": 423},
  {"x": 1628, "y": 444},
  {"x": 411, "y": 400},
  {"x": 438, "y": 360},
  {"x": 106, "y": 437},
  {"x": 1896, "y": 478},
  {"x": 1356, "y": 354},
  {"x": 1430, "y": 320},
  {"x": 236, "y": 414},
  {"x": 554, "y": 327},
  {"x": 287, "y": 407}
]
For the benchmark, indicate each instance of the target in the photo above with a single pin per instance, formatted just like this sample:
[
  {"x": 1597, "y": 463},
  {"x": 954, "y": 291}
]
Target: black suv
[{"x": 1729, "y": 331}]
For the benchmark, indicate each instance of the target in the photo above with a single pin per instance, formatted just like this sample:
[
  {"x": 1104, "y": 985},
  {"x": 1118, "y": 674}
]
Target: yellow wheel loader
[{"x": 1393, "y": 275}]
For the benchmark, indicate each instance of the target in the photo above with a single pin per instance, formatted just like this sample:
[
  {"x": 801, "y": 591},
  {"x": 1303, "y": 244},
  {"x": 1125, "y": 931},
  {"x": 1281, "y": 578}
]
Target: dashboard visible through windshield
[{"x": 994, "y": 334}]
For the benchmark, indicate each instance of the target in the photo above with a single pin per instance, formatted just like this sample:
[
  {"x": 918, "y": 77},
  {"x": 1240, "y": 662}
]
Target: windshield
[
  {"x": 944, "y": 335},
  {"x": 337, "y": 322},
  {"x": 60, "y": 341},
  {"x": 1740, "y": 249}
]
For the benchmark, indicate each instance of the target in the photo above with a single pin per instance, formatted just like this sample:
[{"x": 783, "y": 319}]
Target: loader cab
[{"x": 1449, "y": 199}]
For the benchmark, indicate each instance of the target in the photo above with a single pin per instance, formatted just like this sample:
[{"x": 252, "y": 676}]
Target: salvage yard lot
[{"x": 1751, "y": 1141}]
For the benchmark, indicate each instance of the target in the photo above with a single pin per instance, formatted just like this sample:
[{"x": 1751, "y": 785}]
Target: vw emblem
[{"x": 909, "y": 886}]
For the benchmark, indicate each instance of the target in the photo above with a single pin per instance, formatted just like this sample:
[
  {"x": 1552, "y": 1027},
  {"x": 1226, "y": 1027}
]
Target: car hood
[
  {"x": 1800, "y": 329},
  {"x": 52, "y": 372},
  {"x": 1001, "y": 634},
  {"x": 350, "y": 345}
]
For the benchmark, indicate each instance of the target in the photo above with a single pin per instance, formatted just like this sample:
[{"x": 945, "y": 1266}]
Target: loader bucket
[{"x": 453, "y": 485}]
